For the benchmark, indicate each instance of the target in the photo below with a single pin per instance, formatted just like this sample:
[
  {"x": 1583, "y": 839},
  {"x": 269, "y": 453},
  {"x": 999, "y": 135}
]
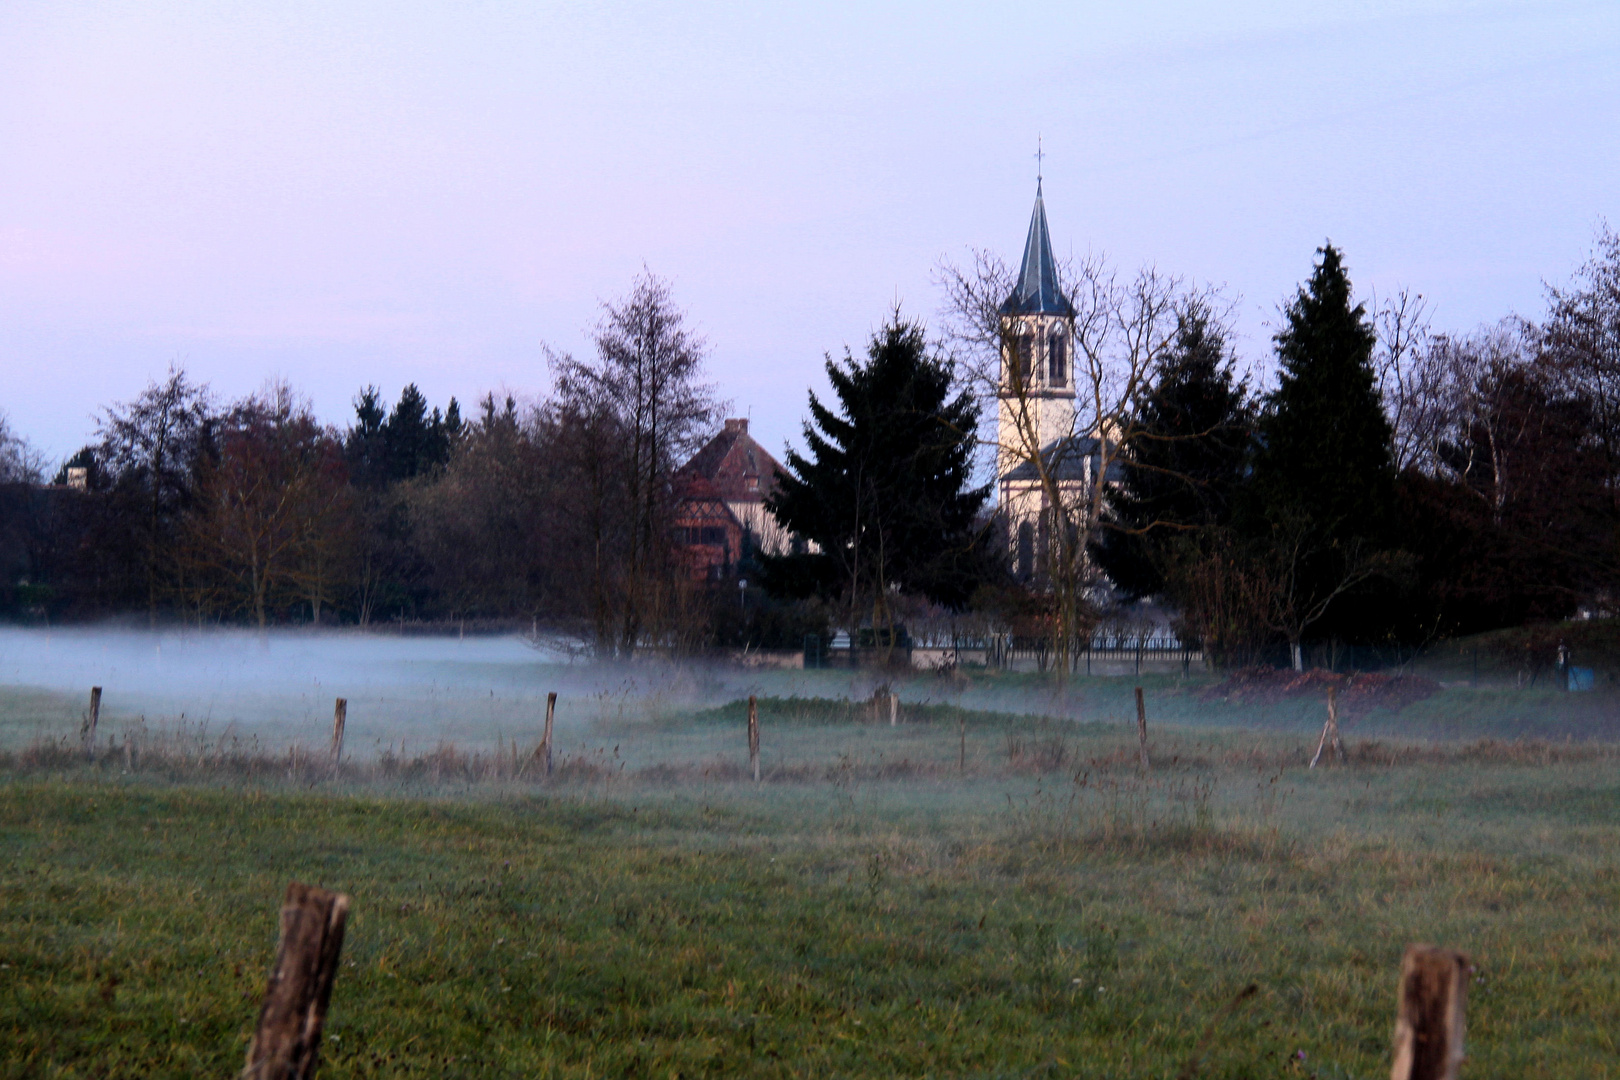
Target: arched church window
[
  {"x": 1026, "y": 550},
  {"x": 1057, "y": 360}
]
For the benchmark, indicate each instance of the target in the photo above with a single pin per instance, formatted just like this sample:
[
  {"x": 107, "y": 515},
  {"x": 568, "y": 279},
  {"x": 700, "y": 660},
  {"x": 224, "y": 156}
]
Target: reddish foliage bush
[{"x": 1359, "y": 691}]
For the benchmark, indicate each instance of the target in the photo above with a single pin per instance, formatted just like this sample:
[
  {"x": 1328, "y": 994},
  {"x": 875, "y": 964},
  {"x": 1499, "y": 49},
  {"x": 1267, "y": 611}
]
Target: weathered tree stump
[
  {"x": 1429, "y": 1014},
  {"x": 289, "y": 1033}
]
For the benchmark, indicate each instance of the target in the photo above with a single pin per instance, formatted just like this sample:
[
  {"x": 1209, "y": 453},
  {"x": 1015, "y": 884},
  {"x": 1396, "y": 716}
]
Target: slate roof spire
[{"x": 1037, "y": 292}]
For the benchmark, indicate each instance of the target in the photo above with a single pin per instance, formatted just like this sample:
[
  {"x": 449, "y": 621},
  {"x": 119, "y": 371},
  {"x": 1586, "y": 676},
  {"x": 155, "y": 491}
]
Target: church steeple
[
  {"x": 1036, "y": 415},
  {"x": 1037, "y": 292},
  {"x": 1037, "y": 379}
]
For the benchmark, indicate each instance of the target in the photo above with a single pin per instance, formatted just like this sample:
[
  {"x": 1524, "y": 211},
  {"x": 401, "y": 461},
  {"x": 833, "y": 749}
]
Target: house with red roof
[{"x": 721, "y": 515}]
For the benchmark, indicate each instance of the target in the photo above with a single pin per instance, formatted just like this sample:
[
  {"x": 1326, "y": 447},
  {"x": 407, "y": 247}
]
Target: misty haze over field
[
  {"x": 280, "y": 686},
  {"x": 270, "y": 691},
  {"x": 407, "y": 693}
]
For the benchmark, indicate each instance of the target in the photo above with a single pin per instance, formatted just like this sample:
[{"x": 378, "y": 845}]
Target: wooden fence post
[
  {"x": 1330, "y": 730},
  {"x": 961, "y": 733},
  {"x": 1429, "y": 1014},
  {"x": 1333, "y": 720},
  {"x": 1141, "y": 727},
  {"x": 545, "y": 738},
  {"x": 340, "y": 717},
  {"x": 753, "y": 736},
  {"x": 894, "y": 708},
  {"x": 289, "y": 1031},
  {"x": 87, "y": 731}
]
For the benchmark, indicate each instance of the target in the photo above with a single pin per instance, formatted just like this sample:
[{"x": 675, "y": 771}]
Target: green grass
[{"x": 1049, "y": 913}]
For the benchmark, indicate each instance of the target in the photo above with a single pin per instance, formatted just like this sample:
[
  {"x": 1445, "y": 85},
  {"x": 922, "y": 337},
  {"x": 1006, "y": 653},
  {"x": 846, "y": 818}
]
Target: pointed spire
[{"x": 1037, "y": 292}]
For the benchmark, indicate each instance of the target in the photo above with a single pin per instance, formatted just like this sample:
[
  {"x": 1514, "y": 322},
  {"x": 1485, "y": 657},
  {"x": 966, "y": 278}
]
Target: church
[
  {"x": 1046, "y": 460},
  {"x": 1045, "y": 465}
]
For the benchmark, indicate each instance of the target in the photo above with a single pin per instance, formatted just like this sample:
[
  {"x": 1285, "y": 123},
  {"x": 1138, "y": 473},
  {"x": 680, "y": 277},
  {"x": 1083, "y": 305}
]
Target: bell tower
[{"x": 1037, "y": 353}]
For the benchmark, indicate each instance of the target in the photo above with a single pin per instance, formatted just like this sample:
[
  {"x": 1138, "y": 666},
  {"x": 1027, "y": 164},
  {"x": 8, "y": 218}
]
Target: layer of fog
[
  {"x": 406, "y": 694},
  {"x": 279, "y": 688}
]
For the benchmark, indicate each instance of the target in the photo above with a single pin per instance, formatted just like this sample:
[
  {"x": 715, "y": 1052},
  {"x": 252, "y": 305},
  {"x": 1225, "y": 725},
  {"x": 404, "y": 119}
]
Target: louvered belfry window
[
  {"x": 1057, "y": 358},
  {"x": 1026, "y": 356}
]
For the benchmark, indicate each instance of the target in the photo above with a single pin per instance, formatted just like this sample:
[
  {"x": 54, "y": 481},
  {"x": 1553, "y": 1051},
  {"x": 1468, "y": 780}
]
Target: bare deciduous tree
[
  {"x": 1582, "y": 337},
  {"x": 1227, "y": 596},
  {"x": 645, "y": 397},
  {"x": 1407, "y": 380},
  {"x": 151, "y": 448},
  {"x": 1299, "y": 596},
  {"x": 505, "y": 527},
  {"x": 1478, "y": 419},
  {"x": 271, "y": 505},
  {"x": 20, "y": 463}
]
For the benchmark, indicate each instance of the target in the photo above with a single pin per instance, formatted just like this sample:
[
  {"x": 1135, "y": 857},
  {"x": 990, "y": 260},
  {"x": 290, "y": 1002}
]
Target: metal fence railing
[{"x": 1107, "y": 652}]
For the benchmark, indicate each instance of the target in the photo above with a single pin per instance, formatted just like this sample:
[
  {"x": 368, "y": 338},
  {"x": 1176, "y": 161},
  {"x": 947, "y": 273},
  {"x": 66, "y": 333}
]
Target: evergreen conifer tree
[
  {"x": 1321, "y": 495},
  {"x": 411, "y": 435},
  {"x": 1324, "y": 448},
  {"x": 453, "y": 427},
  {"x": 363, "y": 445},
  {"x": 885, "y": 489},
  {"x": 1184, "y": 460}
]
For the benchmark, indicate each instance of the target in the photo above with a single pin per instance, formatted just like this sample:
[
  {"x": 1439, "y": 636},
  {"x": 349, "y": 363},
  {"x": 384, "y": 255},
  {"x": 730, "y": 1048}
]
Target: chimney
[{"x": 737, "y": 426}]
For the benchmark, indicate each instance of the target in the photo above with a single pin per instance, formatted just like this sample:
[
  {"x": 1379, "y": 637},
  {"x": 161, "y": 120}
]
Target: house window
[
  {"x": 1057, "y": 360},
  {"x": 1026, "y": 550}
]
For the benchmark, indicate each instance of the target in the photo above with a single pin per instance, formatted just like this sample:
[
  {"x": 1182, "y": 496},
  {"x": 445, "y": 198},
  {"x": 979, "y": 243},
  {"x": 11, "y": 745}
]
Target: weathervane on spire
[{"x": 1040, "y": 154}]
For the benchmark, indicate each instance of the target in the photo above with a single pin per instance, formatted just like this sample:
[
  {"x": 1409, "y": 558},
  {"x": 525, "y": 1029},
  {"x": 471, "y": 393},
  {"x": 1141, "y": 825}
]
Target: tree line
[
  {"x": 1394, "y": 485},
  {"x": 202, "y": 511}
]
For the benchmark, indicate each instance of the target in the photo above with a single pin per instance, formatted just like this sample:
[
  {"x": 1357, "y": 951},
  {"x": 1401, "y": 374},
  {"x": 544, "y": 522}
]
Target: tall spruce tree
[
  {"x": 410, "y": 435},
  {"x": 363, "y": 445},
  {"x": 413, "y": 439},
  {"x": 1322, "y": 487},
  {"x": 1324, "y": 447},
  {"x": 885, "y": 491},
  {"x": 1184, "y": 460}
]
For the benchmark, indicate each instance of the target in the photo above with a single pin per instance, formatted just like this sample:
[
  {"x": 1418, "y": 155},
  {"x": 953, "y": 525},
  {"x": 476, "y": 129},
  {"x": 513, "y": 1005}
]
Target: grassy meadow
[{"x": 974, "y": 892}]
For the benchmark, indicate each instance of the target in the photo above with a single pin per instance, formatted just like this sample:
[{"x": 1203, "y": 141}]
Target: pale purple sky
[{"x": 353, "y": 193}]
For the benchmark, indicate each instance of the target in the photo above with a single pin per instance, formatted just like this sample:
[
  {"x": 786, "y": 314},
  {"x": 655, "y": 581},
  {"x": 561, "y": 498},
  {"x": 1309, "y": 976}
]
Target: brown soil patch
[{"x": 1359, "y": 691}]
